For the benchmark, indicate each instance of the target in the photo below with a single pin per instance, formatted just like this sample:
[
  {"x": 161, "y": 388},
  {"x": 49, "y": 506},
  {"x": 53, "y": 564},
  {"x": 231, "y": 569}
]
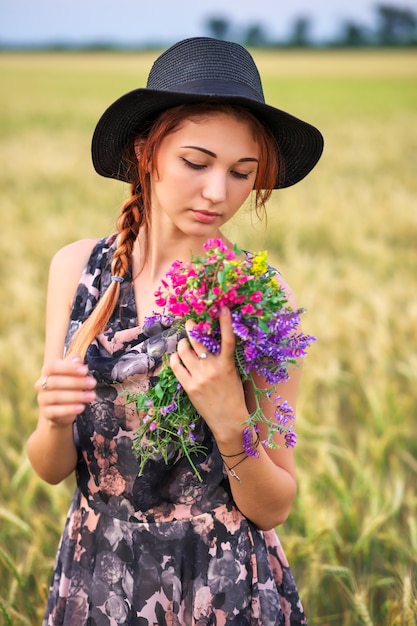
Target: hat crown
[
  {"x": 206, "y": 61},
  {"x": 203, "y": 70}
]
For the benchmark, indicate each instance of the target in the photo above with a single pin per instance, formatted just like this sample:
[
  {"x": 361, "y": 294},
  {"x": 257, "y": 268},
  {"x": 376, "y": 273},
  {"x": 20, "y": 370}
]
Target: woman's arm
[
  {"x": 267, "y": 485},
  {"x": 51, "y": 448}
]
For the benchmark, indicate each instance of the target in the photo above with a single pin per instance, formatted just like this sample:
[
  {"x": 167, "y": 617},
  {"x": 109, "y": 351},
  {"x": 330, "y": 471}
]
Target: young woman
[{"x": 165, "y": 548}]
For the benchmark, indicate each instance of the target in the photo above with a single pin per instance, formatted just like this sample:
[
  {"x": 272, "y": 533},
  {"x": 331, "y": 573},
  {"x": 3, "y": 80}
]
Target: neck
[{"x": 163, "y": 250}]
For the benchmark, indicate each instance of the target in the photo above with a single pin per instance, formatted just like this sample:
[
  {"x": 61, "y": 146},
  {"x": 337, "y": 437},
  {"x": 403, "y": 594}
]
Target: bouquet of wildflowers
[{"x": 267, "y": 343}]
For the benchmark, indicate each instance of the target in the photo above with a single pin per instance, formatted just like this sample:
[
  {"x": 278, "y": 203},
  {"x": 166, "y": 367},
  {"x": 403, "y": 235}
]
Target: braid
[
  {"x": 128, "y": 225},
  {"x": 139, "y": 159}
]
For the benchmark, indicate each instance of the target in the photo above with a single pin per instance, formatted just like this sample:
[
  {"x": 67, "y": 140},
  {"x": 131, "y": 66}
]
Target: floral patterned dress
[{"x": 161, "y": 549}]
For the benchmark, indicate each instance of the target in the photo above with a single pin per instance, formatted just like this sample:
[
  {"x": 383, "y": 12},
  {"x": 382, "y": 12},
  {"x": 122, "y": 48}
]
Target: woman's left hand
[{"x": 213, "y": 383}]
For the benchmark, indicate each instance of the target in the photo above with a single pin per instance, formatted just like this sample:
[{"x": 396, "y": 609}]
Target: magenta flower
[
  {"x": 248, "y": 309},
  {"x": 268, "y": 341},
  {"x": 256, "y": 296}
]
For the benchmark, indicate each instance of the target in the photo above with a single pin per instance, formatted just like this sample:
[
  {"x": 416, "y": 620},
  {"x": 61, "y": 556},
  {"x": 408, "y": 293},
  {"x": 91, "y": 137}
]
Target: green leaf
[
  {"x": 159, "y": 392},
  {"x": 263, "y": 326}
]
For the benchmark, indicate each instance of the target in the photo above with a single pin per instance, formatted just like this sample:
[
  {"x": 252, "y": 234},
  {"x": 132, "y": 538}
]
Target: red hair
[{"x": 135, "y": 214}]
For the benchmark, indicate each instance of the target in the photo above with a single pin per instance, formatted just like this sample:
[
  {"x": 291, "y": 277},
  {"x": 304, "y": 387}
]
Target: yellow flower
[
  {"x": 259, "y": 264},
  {"x": 274, "y": 285}
]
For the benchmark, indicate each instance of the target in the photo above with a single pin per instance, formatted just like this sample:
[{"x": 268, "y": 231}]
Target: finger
[
  {"x": 228, "y": 341},
  {"x": 53, "y": 374},
  {"x": 62, "y": 414},
  {"x": 62, "y": 407},
  {"x": 181, "y": 372},
  {"x": 60, "y": 382},
  {"x": 60, "y": 397},
  {"x": 196, "y": 345},
  {"x": 71, "y": 365},
  {"x": 186, "y": 353}
]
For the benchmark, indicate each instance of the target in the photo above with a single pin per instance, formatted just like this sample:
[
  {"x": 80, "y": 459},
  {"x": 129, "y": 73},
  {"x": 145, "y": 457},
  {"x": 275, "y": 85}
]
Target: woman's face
[{"x": 204, "y": 172}]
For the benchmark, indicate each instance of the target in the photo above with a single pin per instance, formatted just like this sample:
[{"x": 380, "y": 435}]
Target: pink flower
[
  {"x": 215, "y": 243},
  {"x": 248, "y": 309},
  {"x": 160, "y": 301},
  {"x": 232, "y": 296},
  {"x": 179, "y": 309},
  {"x": 256, "y": 296},
  {"x": 204, "y": 326},
  {"x": 202, "y": 289},
  {"x": 265, "y": 343},
  {"x": 211, "y": 260},
  {"x": 214, "y": 311},
  {"x": 199, "y": 306}
]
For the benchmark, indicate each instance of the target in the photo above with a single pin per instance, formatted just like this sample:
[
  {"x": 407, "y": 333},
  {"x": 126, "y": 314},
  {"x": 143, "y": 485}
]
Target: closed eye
[
  {"x": 240, "y": 175},
  {"x": 194, "y": 166},
  {"x": 201, "y": 166}
]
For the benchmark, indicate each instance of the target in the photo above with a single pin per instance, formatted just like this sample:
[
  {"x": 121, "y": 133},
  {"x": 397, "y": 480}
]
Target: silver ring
[
  {"x": 44, "y": 383},
  {"x": 202, "y": 356}
]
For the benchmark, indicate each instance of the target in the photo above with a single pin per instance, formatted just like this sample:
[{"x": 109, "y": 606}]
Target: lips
[{"x": 206, "y": 217}]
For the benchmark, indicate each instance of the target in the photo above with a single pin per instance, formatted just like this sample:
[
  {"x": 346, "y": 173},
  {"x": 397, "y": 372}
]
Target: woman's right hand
[{"x": 64, "y": 388}]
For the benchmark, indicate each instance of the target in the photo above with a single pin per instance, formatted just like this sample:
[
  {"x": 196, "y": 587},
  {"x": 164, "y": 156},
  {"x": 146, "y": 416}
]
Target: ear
[
  {"x": 138, "y": 147},
  {"x": 139, "y": 143}
]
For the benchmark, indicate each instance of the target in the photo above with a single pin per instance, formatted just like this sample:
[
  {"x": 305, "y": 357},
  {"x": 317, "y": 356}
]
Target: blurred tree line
[{"x": 393, "y": 26}]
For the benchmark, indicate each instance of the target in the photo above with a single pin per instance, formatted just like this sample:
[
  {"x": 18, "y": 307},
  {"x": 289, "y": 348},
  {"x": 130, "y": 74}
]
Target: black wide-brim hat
[{"x": 202, "y": 69}]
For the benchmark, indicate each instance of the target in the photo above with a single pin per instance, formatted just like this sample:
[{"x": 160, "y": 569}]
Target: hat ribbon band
[{"x": 215, "y": 87}]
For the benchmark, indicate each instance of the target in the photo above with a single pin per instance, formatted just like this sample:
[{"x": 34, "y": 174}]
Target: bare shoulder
[
  {"x": 67, "y": 266},
  {"x": 64, "y": 276},
  {"x": 72, "y": 258},
  {"x": 75, "y": 254},
  {"x": 290, "y": 295}
]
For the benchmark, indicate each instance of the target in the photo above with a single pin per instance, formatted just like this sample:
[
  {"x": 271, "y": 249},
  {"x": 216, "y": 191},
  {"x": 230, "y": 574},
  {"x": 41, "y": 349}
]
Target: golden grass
[{"x": 345, "y": 239}]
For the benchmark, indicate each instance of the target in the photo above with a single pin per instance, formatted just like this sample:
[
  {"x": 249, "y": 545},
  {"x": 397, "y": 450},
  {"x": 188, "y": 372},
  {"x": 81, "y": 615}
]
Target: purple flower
[
  {"x": 170, "y": 408},
  {"x": 284, "y": 413},
  {"x": 151, "y": 320},
  {"x": 268, "y": 342},
  {"x": 249, "y": 445},
  {"x": 209, "y": 341},
  {"x": 240, "y": 329},
  {"x": 290, "y": 439}
]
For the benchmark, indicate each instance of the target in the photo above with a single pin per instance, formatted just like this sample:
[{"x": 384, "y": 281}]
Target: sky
[{"x": 142, "y": 22}]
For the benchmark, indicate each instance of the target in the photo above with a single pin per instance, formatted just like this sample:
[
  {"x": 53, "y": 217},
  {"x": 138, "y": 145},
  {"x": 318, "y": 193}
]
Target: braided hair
[{"x": 135, "y": 214}]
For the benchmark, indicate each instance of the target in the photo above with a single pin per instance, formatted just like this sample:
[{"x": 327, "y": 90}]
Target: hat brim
[{"x": 300, "y": 144}]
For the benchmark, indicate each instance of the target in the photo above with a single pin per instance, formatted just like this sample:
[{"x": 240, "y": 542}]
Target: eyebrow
[{"x": 214, "y": 155}]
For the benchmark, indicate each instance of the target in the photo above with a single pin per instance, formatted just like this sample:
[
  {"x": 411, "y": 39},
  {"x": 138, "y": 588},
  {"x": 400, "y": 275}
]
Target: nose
[{"x": 215, "y": 187}]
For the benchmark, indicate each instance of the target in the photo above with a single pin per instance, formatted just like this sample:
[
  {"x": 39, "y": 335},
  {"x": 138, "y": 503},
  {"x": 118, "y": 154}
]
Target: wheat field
[{"x": 345, "y": 239}]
